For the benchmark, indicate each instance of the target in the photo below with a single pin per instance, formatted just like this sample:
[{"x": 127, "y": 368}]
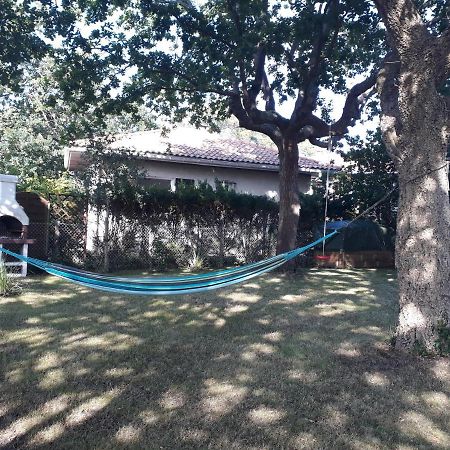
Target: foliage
[
  {"x": 195, "y": 262},
  {"x": 194, "y": 203},
  {"x": 31, "y": 130},
  {"x": 8, "y": 287},
  {"x": 164, "y": 256},
  {"x": 367, "y": 176},
  {"x": 46, "y": 186},
  {"x": 189, "y": 228},
  {"x": 187, "y": 59},
  {"x": 109, "y": 173},
  {"x": 20, "y": 41},
  {"x": 36, "y": 124}
]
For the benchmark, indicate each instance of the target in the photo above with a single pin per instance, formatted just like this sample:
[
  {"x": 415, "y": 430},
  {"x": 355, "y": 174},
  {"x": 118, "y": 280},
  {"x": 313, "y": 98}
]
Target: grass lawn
[{"x": 282, "y": 362}]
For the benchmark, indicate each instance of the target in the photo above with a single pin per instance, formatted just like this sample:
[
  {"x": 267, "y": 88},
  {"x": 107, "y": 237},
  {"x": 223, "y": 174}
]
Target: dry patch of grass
[{"x": 286, "y": 362}]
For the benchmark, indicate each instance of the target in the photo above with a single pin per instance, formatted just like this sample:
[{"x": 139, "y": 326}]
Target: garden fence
[{"x": 79, "y": 235}]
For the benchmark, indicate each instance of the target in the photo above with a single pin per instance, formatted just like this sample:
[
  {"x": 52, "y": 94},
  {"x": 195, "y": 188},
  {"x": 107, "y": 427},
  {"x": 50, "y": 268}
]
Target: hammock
[{"x": 167, "y": 285}]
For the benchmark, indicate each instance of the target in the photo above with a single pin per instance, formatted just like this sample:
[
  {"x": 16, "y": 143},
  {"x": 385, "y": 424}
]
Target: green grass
[{"x": 282, "y": 362}]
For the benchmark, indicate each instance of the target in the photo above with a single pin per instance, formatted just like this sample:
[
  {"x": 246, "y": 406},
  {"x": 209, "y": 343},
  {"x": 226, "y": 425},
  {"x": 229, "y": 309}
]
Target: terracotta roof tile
[{"x": 207, "y": 146}]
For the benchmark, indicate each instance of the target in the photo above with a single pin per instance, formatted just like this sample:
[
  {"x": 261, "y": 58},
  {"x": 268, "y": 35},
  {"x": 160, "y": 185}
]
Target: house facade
[{"x": 191, "y": 156}]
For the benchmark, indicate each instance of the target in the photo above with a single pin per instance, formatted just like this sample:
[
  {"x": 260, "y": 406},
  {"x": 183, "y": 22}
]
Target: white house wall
[{"x": 256, "y": 182}]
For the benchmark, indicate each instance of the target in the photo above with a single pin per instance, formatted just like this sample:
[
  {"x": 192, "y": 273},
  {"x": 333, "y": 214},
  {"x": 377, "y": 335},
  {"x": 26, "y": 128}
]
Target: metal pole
[{"x": 330, "y": 149}]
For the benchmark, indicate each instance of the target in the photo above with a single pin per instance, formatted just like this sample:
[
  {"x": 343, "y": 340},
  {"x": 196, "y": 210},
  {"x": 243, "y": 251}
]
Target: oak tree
[
  {"x": 232, "y": 57},
  {"x": 415, "y": 123}
]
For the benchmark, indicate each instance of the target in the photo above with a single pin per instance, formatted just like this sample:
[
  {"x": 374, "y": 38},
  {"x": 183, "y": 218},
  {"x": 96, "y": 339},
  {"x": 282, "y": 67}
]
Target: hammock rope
[{"x": 167, "y": 285}]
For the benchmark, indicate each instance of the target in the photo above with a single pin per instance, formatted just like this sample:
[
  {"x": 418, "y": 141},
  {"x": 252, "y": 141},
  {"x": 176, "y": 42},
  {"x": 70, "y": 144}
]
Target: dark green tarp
[{"x": 361, "y": 235}]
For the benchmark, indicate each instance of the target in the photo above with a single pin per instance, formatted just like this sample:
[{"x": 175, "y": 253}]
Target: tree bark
[
  {"x": 423, "y": 253},
  {"x": 289, "y": 199},
  {"x": 417, "y": 144},
  {"x": 414, "y": 124}
]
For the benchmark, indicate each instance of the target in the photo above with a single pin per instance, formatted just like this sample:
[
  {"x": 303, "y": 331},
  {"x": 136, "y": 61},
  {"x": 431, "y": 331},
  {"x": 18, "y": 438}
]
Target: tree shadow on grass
[{"x": 296, "y": 361}]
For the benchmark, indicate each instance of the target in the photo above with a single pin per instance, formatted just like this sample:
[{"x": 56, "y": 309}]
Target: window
[
  {"x": 155, "y": 182},
  {"x": 184, "y": 182},
  {"x": 229, "y": 185}
]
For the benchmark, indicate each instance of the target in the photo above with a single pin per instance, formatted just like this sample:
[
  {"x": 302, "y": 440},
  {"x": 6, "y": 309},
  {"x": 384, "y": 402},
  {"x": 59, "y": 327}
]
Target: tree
[
  {"x": 368, "y": 175},
  {"x": 36, "y": 124},
  {"x": 19, "y": 41},
  {"x": 415, "y": 124},
  {"x": 32, "y": 128},
  {"x": 231, "y": 57}
]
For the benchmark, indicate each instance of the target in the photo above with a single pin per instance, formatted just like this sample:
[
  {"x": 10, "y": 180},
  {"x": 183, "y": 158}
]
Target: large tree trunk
[
  {"x": 423, "y": 247},
  {"x": 414, "y": 125},
  {"x": 418, "y": 147},
  {"x": 289, "y": 200}
]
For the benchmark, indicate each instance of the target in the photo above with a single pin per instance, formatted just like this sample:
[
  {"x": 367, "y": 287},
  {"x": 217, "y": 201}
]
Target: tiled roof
[{"x": 198, "y": 144}]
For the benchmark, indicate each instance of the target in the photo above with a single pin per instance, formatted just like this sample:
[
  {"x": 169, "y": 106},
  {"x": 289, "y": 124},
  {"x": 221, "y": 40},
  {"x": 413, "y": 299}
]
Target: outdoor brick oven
[{"x": 13, "y": 222}]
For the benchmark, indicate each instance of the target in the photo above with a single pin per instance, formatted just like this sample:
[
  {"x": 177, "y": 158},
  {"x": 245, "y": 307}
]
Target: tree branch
[
  {"x": 271, "y": 117},
  {"x": 307, "y": 96},
  {"x": 318, "y": 143},
  {"x": 259, "y": 62},
  {"x": 353, "y": 104},
  {"x": 387, "y": 85},
  {"x": 316, "y": 128},
  {"x": 239, "y": 31},
  {"x": 267, "y": 94},
  {"x": 246, "y": 121}
]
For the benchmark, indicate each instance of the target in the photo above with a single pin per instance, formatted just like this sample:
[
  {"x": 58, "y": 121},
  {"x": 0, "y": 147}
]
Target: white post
[{"x": 24, "y": 263}]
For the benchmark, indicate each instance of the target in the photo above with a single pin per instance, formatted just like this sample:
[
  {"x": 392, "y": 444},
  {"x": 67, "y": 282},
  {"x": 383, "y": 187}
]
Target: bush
[
  {"x": 218, "y": 262},
  {"x": 7, "y": 286},
  {"x": 195, "y": 263},
  {"x": 164, "y": 256}
]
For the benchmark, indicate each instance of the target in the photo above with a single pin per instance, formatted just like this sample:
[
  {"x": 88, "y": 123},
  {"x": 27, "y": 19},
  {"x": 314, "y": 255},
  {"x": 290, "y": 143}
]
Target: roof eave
[
  {"x": 221, "y": 163},
  {"x": 69, "y": 160}
]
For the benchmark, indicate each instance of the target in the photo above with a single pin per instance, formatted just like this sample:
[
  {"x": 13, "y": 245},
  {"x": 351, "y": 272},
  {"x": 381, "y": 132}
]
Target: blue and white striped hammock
[{"x": 188, "y": 284}]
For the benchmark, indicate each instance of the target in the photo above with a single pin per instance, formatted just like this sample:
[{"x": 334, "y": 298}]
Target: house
[{"x": 190, "y": 156}]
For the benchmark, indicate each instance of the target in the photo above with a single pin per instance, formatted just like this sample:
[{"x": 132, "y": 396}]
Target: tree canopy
[
  {"x": 211, "y": 60},
  {"x": 37, "y": 123},
  {"x": 22, "y": 27}
]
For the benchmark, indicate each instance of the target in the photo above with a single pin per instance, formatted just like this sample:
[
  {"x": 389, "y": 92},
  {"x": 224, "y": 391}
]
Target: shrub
[
  {"x": 164, "y": 256},
  {"x": 219, "y": 262},
  {"x": 195, "y": 262},
  {"x": 7, "y": 285}
]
